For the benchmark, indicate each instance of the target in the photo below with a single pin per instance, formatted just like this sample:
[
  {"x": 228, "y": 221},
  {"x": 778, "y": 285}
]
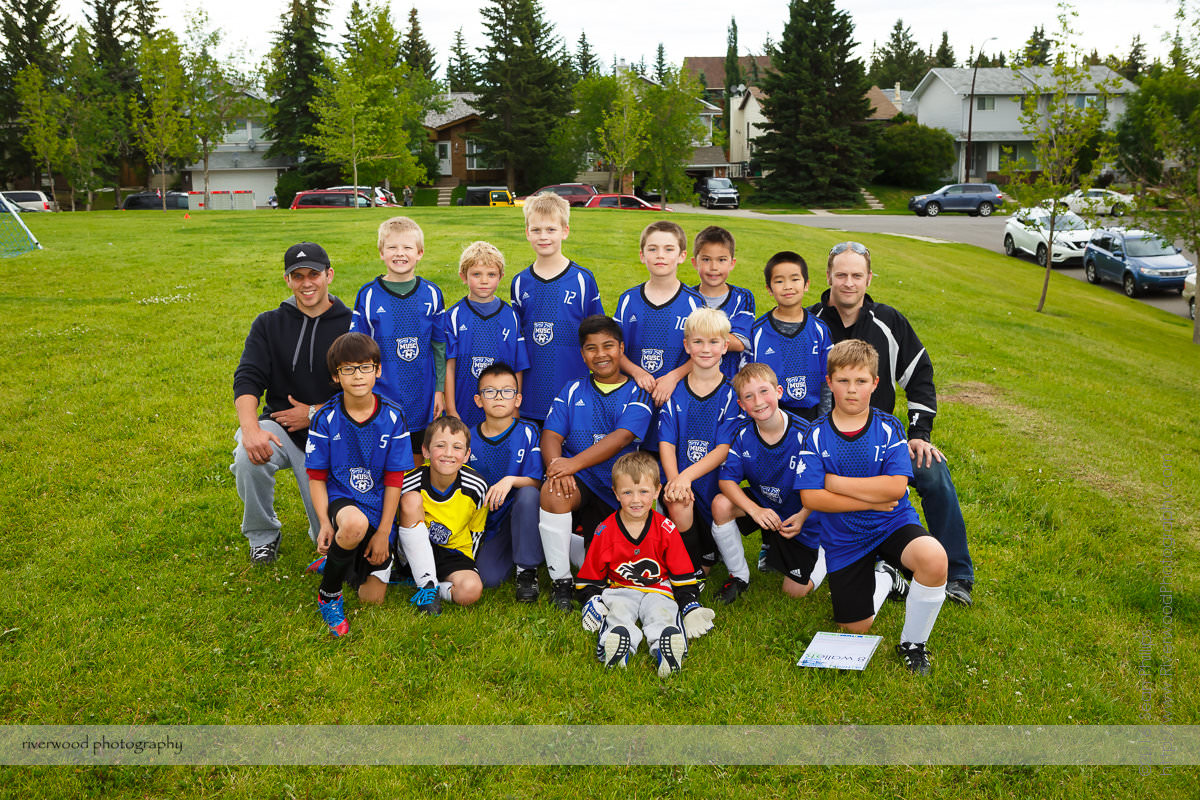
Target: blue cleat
[{"x": 334, "y": 616}]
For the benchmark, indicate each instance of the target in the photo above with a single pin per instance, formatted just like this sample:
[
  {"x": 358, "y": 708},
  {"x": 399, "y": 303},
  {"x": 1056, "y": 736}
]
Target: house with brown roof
[{"x": 460, "y": 157}]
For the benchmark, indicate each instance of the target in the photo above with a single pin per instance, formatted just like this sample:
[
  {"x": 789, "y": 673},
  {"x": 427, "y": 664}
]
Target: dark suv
[
  {"x": 576, "y": 194},
  {"x": 977, "y": 199},
  {"x": 153, "y": 201},
  {"x": 332, "y": 198},
  {"x": 718, "y": 193}
]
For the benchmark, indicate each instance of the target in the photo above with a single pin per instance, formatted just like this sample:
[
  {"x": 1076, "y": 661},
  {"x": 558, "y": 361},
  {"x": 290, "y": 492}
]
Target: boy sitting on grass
[
  {"x": 356, "y": 457},
  {"x": 854, "y": 459},
  {"x": 637, "y": 569}
]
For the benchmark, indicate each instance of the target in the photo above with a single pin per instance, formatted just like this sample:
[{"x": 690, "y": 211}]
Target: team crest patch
[
  {"x": 361, "y": 480},
  {"x": 797, "y": 386},
  {"x": 407, "y": 348},
  {"x": 772, "y": 493},
  {"x": 652, "y": 360},
  {"x": 439, "y": 533},
  {"x": 309, "y": 447},
  {"x": 696, "y": 449},
  {"x": 543, "y": 333},
  {"x": 480, "y": 363}
]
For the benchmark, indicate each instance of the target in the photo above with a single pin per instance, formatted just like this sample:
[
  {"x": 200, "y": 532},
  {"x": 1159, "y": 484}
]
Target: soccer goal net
[{"x": 15, "y": 237}]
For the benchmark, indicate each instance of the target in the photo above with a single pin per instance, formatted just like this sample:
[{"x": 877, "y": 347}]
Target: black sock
[
  {"x": 691, "y": 542},
  {"x": 337, "y": 563}
]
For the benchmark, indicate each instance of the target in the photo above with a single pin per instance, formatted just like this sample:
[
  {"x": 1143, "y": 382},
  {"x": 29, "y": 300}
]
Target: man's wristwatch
[{"x": 312, "y": 412}]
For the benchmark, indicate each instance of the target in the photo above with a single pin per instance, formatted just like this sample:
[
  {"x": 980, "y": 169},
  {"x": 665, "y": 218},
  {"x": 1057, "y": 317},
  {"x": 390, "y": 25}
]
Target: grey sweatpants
[
  {"x": 256, "y": 486},
  {"x": 627, "y": 606}
]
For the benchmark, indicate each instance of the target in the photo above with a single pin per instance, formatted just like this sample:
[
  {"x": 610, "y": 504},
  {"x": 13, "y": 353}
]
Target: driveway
[{"x": 985, "y": 232}]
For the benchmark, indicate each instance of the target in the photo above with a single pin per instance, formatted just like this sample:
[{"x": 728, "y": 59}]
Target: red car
[{"x": 623, "y": 201}]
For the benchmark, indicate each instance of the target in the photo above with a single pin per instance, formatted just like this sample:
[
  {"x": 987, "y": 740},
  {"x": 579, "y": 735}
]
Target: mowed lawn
[{"x": 128, "y": 597}]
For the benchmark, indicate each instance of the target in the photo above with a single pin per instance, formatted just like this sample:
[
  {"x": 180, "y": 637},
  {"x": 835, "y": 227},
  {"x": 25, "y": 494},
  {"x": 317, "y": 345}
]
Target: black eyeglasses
[
  {"x": 491, "y": 393},
  {"x": 853, "y": 247},
  {"x": 350, "y": 369}
]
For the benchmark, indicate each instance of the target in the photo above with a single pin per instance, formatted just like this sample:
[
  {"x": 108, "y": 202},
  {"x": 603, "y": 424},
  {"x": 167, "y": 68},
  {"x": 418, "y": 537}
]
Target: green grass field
[{"x": 129, "y": 599}]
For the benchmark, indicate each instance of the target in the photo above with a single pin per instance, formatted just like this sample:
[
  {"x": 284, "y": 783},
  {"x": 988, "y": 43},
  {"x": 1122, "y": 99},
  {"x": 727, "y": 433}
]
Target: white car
[
  {"x": 1025, "y": 232},
  {"x": 382, "y": 197},
  {"x": 1189, "y": 293},
  {"x": 1098, "y": 201}
]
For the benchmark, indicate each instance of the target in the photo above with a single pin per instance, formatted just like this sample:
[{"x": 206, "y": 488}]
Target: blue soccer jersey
[
  {"x": 695, "y": 426},
  {"x": 880, "y": 448},
  {"x": 770, "y": 471},
  {"x": 516, "y": 452},
  {"x": 798, "y": 360},
  {"x": 550, "y": 312},
  {"x": 405, "y": 327},
  {"x": 738, "y": 305},
  {"x": 583, "y": 415},
  {"x": 475, "y": 341},
  {"x": 357, "y": 454}
]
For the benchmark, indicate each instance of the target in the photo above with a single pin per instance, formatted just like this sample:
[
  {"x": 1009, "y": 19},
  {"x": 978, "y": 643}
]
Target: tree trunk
[
  {"x": 207, "y": 198},
  {"x": 162, "y": 180},
  {"x": 1049, "y": 260}
]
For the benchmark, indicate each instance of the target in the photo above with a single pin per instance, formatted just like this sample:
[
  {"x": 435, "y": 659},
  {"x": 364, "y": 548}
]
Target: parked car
[
  {"x": 332, "y": 198},
  {"x": 23, "y": 200},
  {"x": 1189, "y": 294},
  {"x": 718, "y": 193},
  {"x": 977, "y": 199},
  {"x": 1098, "y": 201},
  {"x": 1138, "y": 260},
  {"x": 153, "y": 201},
  {"x": 623, "y": 201},
  {"x": 576, "y": 194},
  {"x": 379, "y": 195},
  {"x": 487, "y": 196},
  {"x": 1026, "y": 229}
]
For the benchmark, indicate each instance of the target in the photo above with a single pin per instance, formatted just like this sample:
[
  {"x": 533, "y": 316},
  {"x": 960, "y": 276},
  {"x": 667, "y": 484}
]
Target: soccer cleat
[
  {"x": 671, "y": 646},
  {"x": 914, "y": 657},
  {"x": 763, "y": 566},
  {"x": 317, "y": 566},
  {"x": 899, "y": 585},
  {"x": 563, "y": 594},
  {"x": 614, "y": 647},
  {"x": 733, "y": 589},
  {"x": 959, "y": 592},
  {"x": 334, "y": 616},
  {"x": 427, "y": 601},
  {"x": 265, "y": 553},
  {"x": 527, "y": 586}
]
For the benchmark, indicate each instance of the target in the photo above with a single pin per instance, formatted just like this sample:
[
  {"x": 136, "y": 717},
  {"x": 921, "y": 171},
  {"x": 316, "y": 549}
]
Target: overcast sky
[{"x": 631, "y": 29}]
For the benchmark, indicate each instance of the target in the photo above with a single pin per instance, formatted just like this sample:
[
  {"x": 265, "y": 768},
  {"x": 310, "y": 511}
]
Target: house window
[
  {"x": 477, "y": 157},
  {"x": 987, "y": 103},
  {"x": 1089, "y": 100}
]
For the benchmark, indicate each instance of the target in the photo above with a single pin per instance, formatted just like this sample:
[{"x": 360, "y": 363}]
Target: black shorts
[
  {"x": 852, "y": 588},
  {"x": 789, "y": 556},
  {"x": 448, "y": 560},
  {"x": 591, "y": 512},
  {"x": 416, "y": 439},
  {"x": 360, "y": 569}
]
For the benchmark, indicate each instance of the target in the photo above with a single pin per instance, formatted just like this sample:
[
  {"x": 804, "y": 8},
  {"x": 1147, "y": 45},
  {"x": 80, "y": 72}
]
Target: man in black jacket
[
  {"x": 284, "y": 358},
  {"x": 850, "y": 313}
]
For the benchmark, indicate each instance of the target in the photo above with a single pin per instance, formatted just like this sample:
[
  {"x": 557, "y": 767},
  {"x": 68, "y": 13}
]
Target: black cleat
[
  {"x": 959, "y": 592},
  {"x": 527, "y": 586},
  {"x": 563, "y": 594},
  {"x": 265, "y": 553},
  {"x": 733, "y": 589},
  {"x": 914, "y": 657}
]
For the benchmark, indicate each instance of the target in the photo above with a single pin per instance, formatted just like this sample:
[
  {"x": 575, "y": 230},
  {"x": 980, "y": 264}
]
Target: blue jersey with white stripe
[
  {"x": 405, "y": 327},
  {"x": 475, "y": 341},
  {"x": 738, "y": 305},
  {"x": 798, "y": 360},
  {"x": 550, "y": 311},
  {"x": 517, "y": 451},
  {"x": 583, "y": 415},
  {"x": 696, "y": 426},
  {"x": 357, "y": 454},
  {"x": 880, "y": 448},
  {"x": 770, "y": 471}
]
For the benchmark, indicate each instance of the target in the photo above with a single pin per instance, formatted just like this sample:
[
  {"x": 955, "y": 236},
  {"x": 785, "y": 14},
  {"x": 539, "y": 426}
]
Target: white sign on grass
[{"x": 839, "y": 651}]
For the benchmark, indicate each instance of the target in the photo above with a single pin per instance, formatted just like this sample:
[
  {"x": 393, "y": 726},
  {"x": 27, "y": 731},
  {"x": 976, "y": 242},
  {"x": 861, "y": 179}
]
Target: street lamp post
[{"x": 971, "y": 109}]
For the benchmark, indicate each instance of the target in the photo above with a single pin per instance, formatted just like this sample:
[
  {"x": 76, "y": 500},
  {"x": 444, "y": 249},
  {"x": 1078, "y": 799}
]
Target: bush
[{"x": 913, "y": 155}]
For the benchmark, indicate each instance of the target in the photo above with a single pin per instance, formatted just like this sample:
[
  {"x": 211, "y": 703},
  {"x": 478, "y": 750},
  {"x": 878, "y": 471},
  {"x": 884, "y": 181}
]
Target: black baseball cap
[{"x": 305, "y": 255}]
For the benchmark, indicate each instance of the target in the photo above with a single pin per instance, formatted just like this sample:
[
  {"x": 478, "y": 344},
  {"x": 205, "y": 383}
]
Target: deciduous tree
[{"x": 161, "y": 126}]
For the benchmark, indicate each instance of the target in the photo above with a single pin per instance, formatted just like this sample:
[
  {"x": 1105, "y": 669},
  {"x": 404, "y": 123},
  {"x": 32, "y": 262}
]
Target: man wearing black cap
[{"x": 284, "y": 357}]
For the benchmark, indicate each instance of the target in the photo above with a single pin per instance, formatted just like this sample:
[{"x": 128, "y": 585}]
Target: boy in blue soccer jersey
[
  {"x": 356, "y": 458},
  {"x": 481, "y": 329},
  {"x": 695, "y": 428},
  {"x": 403, "y": 313},
  {"x": 651, "y": 317},
  {"x": 443, "y": 502},
  {"x": 791, "y": 341},
  {"x": 764, "y": 454},
  {"x": 713, "y": 258},
  {"x": 551, "y": 297},
  {"x": 506, "y": 452},
  {"x": 593, "y": 421},
  {"x": 855, "y": 458}
]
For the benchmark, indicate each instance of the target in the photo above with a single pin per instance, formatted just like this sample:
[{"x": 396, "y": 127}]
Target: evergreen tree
[
  {"x": 814, "y": 147},
  {"x": 524, "y": 91},
  {"x": 1135, "y": 63},
  {"x": 145, "y": 18},
  {"x": 660, "y": 63},
  {"x": 944, "y": 57},
  {"x": 114, "y": 48},
  {"x": 415, "y": 51},
  {"x": 297, "y": 62},
  {"x": 33, "y": 36},
  {"x": 1037, "y": 49},
  {"x": 586, "y": 62},
  {"x": 733, "y": 70},
  {"x": 461, "y": 71},
  {"x": 899, "y": 61}
]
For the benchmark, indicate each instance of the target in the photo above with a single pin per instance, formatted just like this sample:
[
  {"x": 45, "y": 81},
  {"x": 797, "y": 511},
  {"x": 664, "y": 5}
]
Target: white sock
[
  {"x": 418, "y": 552},
  {"x": 921, "y": 611},
  {"x": 733, "y": 552},
  {"x": 444, "y": 589},
  {"x": 578, "y": 552},
  {"x": 555, "y": 530},
  {"x": 818, "y": 571},
  {"x": 883, "y": 587}
]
